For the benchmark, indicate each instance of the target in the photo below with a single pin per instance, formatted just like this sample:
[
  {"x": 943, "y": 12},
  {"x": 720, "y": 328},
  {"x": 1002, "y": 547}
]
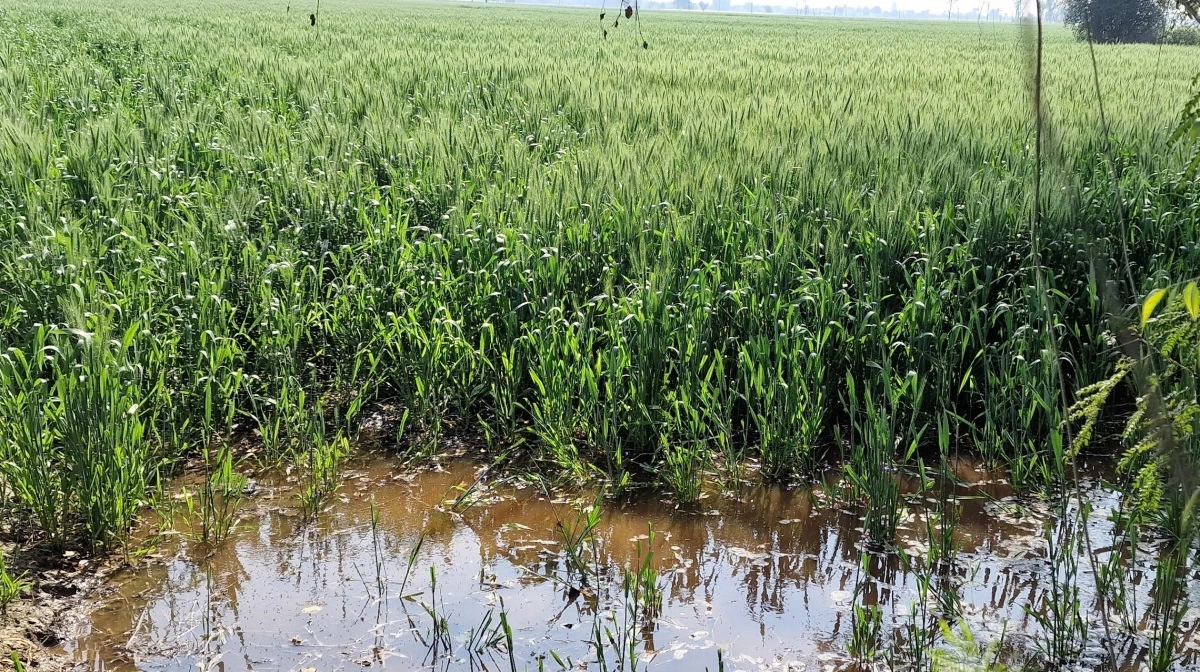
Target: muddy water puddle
[{"x": 422, "y": 570}]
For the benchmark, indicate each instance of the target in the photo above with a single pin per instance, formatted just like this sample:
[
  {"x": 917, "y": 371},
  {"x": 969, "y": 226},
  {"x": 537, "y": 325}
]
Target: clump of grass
[
  {"x": 579, "y": 544},
  {"x": 1060, "y": 613},
  {"x": 76, "y": 456},
  {"x": 491, "y": 635},
  {"x": 641, "y": 582},
  {"x": 439, "y": 642},
  {"x": 32, "y": 465},
  {"x": 219, "y": 494},
  {"x": 1168, "y": 609},
  {"x": 866, "y": 628},
  {"x": 101, "y": 430},
  {"x": 876, "y": 448},
  {"x": 618, "y": 632},
  {"x": 965, "y": 653},
  {"x": 322, "y": 465},
  {"x": 784, "y": 380},
  {"x": 11, "y": 586}
]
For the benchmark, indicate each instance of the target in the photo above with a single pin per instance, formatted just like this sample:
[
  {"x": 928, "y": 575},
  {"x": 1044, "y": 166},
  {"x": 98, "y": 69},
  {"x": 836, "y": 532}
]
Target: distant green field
[{"x": 753, "y": 240}]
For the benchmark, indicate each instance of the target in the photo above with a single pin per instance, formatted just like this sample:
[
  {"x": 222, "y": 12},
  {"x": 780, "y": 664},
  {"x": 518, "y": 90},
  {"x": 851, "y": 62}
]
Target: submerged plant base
[{"x": 769, "y": 576}]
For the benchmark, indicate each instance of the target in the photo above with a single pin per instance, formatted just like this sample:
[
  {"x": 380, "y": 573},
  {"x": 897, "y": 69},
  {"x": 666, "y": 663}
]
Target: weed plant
[{"x": 11, "y": 586}]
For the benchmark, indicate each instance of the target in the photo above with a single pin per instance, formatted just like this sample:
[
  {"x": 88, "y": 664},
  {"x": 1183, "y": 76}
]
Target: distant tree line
[{"x": 1116, "y": 21}]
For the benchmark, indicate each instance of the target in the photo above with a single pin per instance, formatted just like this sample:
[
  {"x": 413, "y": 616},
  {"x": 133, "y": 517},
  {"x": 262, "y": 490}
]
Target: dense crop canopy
[{"x": 595, "y": 255}]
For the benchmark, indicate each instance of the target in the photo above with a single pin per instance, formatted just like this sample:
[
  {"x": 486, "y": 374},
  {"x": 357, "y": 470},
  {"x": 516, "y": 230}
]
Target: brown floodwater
[{"x": 767, "y": 574}]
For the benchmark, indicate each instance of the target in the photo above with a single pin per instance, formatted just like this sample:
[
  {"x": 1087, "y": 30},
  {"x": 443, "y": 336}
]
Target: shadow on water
[{"x": 767, "y": 574}]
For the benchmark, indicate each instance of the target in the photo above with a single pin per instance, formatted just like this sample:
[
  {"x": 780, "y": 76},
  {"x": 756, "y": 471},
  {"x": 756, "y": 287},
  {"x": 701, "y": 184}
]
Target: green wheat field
[{"x": 766, "y": 242}]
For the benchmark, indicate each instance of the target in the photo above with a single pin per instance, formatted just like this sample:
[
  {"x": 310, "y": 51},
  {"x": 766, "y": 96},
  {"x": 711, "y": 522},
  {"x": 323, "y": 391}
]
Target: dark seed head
[
  {"x": 601, "y": 16},
  {"x": 628, "y": 12},
  {"x": 312, "y": 19},
  {"x": 645, "y": 45},
  {"x": 606, "y": 34},
  {"x": 616, "y": 23}
]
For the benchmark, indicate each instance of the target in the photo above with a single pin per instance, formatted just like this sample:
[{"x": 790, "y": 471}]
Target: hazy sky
[
  {"x": 968, "y": 8},
  {"x": 960, "y": 6}
]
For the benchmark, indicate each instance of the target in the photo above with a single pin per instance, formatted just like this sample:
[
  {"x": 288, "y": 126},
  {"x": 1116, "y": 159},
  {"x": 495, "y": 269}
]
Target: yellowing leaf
[
  {"x": 1191, "y": 299},
  {"x": 1151, "y": 303},
  {"x": 311, "y": 609}
]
